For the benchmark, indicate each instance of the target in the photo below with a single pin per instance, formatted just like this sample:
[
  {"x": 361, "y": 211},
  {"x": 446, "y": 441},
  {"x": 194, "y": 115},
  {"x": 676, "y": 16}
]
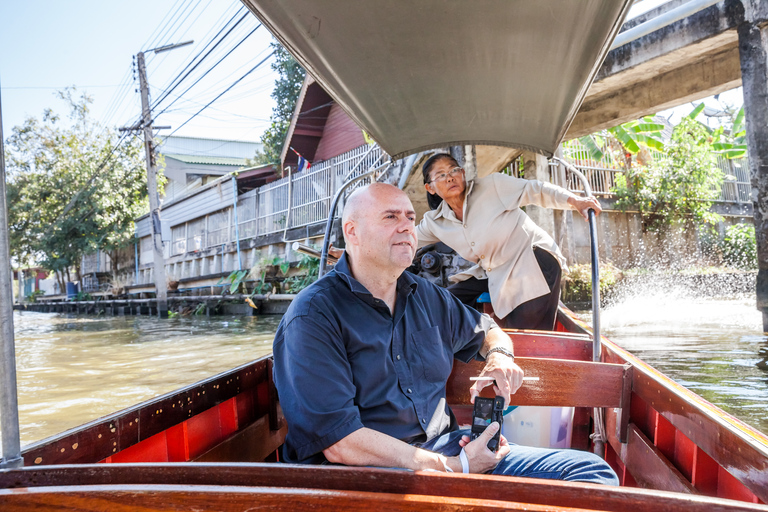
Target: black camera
[{"x": 488, "y": 410}]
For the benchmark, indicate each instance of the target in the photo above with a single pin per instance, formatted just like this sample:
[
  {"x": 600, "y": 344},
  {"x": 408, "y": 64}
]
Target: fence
[
  {"x": 601, "y": 174},
  {"x": 265, "y": 210},
  {"x": 269, "y": 209}
]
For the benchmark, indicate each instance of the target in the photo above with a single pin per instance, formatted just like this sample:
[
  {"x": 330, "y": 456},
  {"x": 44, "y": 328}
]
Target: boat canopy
[{"x": 422, "y": 74}]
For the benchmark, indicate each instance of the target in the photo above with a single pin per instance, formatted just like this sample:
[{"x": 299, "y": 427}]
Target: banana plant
[
  {"x": 732, "y": 144},
  {"x": 626, "y": 139}
]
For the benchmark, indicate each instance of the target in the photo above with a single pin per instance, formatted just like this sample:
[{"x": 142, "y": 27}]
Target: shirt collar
[{"x": 406, "y": 283}]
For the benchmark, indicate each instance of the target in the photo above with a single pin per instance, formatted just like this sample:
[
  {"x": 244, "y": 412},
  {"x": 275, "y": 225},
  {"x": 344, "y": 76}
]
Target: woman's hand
[{"x": 584, "y": 204}]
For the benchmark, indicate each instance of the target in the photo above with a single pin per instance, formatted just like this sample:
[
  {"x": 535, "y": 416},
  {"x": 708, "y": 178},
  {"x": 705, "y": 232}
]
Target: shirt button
[
  {"x": 472, "y": 244},
  {"x": 423, "y": 420},
  {"x": 398, "y": 357},
  {"x": 490, "y": 269},
  {"x": 482, "y": 257},
  {"x": 410, "y": 390}
]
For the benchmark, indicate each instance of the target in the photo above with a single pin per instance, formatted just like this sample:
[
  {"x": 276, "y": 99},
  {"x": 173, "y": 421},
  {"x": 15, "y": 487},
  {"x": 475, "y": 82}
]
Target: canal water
[
  {"x": 713, "y": 346},
  {"x": 75, "y": 369}
]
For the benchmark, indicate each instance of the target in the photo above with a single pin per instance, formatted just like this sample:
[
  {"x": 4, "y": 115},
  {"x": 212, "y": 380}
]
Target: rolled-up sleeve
[{"x": 315, "y": 382}]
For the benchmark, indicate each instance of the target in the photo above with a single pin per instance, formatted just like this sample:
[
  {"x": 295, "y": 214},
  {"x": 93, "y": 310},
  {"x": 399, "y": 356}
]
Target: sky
[{"x": 48, "y": 45}]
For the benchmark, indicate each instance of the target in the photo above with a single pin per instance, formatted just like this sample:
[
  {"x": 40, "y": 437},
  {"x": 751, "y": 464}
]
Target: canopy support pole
[
  {"x": 598, "y": 436},
  {"x": 332, "y": 211},
  {"x": 9, "y": 405}
]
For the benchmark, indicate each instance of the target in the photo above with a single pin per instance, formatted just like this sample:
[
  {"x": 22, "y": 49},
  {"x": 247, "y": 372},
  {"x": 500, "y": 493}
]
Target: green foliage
[
  {"x": 732, "y": 143},
  {"x": 311, "y": 266},
  {"x": 63, "y": 202},
  {"x": 625, "y": 140},
  {"x": 739, "y": 247},
  {"x": 236, "y": 280},
  {"x": 200, "y": 309},
  {"x": 32, "y": 297},
  {"x": 285, "y": 93},
  {"x": 680, "y": 185},
  {"x": 81, "y": 295},
  {"x": 578, "y": 282}
]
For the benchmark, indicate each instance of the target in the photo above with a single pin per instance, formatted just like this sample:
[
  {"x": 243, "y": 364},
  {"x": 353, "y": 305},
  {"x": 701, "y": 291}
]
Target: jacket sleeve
[
  {"x": 515, "y": 192},
  {"x": 424, "y": 232}
]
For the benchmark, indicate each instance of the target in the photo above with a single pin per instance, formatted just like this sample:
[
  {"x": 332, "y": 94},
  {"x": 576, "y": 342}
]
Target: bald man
[{"x": 363, "y": 355}]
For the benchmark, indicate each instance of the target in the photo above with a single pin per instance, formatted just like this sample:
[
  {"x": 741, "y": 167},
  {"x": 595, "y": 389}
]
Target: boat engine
[{"x": 437, "y": 262}]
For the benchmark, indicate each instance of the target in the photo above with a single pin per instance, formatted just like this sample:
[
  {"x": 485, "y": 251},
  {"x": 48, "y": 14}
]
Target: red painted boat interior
[{"x": 660, "y": 436}]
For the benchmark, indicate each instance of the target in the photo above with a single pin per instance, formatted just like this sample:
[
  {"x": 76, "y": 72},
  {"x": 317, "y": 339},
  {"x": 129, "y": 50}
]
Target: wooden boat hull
[{"x": 682, "y": 450}]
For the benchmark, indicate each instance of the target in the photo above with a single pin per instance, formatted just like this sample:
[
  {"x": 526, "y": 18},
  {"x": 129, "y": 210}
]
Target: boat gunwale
[{"x": 341, "y": 478}]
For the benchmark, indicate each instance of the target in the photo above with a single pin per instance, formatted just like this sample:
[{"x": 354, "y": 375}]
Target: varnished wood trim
[
  {"x": 562, "y": 383},
  {"x": 338, "y": 478}
]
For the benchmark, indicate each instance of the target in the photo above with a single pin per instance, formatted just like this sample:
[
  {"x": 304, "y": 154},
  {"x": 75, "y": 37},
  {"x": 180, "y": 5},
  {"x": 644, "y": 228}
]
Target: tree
[
  {"x": 285, "y": 93},
  {"x": 678, "y": 186},
  {"x": 72, "y": 189}
]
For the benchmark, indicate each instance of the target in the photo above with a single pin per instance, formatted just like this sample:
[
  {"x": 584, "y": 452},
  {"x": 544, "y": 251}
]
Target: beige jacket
[{"x": 499, "y": 236}]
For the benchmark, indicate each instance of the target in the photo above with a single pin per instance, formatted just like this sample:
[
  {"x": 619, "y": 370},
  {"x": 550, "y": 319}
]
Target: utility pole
[
  {"x": 9, "y": 403},
  {"x": 161, "y": 287}
]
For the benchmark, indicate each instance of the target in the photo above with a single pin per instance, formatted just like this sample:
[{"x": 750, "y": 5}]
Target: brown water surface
[
  {"x": 73, "y": 369},
  {"x": 713, "y": 346}
]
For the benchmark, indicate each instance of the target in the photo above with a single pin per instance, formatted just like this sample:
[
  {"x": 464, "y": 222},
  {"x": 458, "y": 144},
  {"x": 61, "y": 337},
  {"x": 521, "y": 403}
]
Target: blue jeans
[{"x": 573, "y": 465}]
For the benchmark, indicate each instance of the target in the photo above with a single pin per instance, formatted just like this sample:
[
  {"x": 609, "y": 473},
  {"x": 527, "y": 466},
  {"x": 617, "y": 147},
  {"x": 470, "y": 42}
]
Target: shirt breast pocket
[{"x": 436, "y": 358}]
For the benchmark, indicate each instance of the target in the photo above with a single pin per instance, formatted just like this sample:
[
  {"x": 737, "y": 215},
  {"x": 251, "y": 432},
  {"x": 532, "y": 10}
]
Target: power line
[
  {"x": 209, "y": 70},
  {"x": 212, "y": 29},
  {"x": 160, "y": 25},
  {"x": 177, "y": 81},
  {"x": 254, "y": 68}
]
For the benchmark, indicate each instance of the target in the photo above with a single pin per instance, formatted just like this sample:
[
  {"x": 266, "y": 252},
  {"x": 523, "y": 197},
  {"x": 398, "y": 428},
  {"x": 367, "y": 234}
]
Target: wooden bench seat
[{"x": 562, "y": 383}]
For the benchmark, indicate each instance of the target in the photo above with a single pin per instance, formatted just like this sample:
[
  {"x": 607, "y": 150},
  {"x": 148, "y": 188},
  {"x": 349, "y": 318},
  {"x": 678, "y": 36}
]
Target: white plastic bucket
[{"x": 544, "y": 427}]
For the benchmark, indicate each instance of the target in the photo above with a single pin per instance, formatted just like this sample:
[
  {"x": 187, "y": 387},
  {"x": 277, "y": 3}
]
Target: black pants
[{"x": 539, "y": 313}]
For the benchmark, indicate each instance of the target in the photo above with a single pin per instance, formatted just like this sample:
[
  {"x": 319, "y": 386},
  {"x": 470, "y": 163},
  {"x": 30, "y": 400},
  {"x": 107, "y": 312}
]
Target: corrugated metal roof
[
  {"x": 210, "y": 160},
  {"x": 209, "y": 147}
]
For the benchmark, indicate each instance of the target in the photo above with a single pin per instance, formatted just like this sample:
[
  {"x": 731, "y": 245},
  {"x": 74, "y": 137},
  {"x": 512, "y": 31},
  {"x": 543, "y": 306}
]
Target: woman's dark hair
[{"x": 434, "y": 200}]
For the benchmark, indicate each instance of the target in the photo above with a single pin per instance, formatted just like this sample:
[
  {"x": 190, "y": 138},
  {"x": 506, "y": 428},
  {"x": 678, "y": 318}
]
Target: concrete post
[
  {"x": 753, "y": 53},
  {"x": 536, "y": 168}
]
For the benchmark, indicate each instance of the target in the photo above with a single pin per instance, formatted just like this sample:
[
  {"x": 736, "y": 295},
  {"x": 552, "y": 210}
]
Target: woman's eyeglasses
[{"x": 444, "y": 175}]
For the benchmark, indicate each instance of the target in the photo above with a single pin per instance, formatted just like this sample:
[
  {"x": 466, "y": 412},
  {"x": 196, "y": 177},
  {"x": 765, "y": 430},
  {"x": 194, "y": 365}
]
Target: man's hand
[
  {"x": 584, "y": 204},
  {"x": 507, "y": 377},
  {"x": 481, "y": 459}
]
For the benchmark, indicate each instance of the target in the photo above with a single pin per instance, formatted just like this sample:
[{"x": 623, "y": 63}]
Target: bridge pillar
[{"x": 753, "y": 53}]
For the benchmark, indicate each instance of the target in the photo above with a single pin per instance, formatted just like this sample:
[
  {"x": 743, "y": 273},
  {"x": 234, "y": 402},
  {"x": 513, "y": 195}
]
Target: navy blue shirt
[{"x": 343, "y": 362}]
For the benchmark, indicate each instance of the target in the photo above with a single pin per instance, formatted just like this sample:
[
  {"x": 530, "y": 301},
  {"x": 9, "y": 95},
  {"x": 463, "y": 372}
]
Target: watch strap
[{"x": 501, "y": 350}]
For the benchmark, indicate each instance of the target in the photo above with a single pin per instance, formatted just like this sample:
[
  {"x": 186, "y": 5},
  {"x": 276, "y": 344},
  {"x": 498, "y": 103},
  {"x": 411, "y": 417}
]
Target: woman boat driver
[{"x": 517, "y": 261}]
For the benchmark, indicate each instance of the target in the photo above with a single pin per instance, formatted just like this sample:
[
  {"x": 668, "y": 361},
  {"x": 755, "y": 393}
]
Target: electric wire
[
  {"x": 209, "y": 70},
  {"x": 214, "y": 27},
  {"x": 160, "y": 26},
  {"x": 179, "y": 78},
  {"x": 254, "y": 68}
]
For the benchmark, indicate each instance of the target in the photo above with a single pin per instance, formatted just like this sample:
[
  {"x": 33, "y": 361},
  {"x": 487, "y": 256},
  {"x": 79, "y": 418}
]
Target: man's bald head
[
  {"x": 379, "y": 227},
  {"x": 363, "y": 200}
]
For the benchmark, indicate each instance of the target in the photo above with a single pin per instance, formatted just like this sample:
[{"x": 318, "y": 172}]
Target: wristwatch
[{"x": 501, "y": 350}]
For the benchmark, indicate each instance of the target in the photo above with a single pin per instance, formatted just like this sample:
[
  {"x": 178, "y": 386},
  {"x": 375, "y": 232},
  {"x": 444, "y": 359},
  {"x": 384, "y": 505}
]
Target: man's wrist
[
  {"x": 501, "y": 350},
  {"x": 452, "y": 463}
]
